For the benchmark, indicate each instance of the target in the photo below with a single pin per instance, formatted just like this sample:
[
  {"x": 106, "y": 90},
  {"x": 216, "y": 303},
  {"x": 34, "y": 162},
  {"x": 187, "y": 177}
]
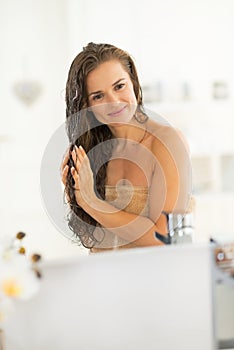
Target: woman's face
[{"x": 111, "y": 95}]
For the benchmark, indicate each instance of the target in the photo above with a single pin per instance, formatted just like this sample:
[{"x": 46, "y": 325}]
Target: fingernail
[{"x": 80, "y": 147}]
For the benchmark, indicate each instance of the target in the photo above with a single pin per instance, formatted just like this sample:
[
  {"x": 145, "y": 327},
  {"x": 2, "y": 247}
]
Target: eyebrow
[{"x": 99, "y": 91}]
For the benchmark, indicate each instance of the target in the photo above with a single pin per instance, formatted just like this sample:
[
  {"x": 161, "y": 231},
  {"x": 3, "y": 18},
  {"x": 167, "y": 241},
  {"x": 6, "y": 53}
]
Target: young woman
[{"x": 123, "y": 170}]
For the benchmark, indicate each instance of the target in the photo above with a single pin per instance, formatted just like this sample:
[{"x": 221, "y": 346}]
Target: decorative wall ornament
[{"x": 28, "y": 91}]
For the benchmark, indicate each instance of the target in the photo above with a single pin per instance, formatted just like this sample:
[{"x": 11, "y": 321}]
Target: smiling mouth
[{"x": 116, "y": 113}]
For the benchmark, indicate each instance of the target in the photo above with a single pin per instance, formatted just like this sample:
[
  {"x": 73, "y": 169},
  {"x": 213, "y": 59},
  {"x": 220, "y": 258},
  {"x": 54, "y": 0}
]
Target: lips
[{"x": 117, "y": 112}]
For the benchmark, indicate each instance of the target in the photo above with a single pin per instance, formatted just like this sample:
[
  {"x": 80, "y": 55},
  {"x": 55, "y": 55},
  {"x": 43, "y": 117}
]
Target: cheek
[
  {"x": 131, "y": 96},
  {"x": 99, "y": 111}
]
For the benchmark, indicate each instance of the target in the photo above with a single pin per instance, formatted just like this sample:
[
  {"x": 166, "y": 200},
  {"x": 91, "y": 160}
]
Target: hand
[
  {"x": 83, "y": 177},
  {"x": 64, "y": 171},
  {"x": 65, "y": 167}
]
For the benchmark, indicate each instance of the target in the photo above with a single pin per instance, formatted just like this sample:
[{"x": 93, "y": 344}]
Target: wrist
[{"x": 89, "y": 203}]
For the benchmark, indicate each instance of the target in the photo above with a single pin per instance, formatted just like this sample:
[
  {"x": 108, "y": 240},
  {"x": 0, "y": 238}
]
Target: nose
[{"x": 111, "y": 97}]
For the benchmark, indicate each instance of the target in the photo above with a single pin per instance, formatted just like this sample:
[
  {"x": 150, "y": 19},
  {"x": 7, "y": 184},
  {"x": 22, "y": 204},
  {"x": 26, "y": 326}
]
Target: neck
[
  {"x": 134, "y": 131},
  {"x": 121, "y": 130}
]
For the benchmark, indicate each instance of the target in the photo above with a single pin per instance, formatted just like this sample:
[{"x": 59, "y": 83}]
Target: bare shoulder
[{"x": 166, "y": 136}]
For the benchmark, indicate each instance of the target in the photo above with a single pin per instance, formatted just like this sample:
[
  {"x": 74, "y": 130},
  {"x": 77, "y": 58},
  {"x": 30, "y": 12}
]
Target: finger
[
  {"x": 66, "y": 156},
  {"x": 82, "y": 155},
  {"x": 78, "y": 154},
  {"x": 64, "y": 175},
  {"x": 74, "y": 155},
  {"x": 84, "y": 166},
  {"x": 75, "y": 177},
  {"x": 82, "y": 151},
  {"x": 65, "y": 160},
  {"x": 76, "y": 160}
]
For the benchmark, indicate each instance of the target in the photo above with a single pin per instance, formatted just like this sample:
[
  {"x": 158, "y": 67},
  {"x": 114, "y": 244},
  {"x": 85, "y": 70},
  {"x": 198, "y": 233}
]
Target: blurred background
[{"x": 184, "y": 54}]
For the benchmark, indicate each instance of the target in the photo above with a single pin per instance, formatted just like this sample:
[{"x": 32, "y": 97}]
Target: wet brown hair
[{"x": 83, "y": 129}]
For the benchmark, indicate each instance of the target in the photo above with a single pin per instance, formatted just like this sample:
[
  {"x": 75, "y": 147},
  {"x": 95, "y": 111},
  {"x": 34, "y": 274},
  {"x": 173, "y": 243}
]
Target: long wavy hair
[{"x": 84, "y": 129}]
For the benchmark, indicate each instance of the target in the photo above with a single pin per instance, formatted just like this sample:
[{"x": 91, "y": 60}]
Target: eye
[
  {"x": 97, "y": 97},
  {"x": 119, "y": 86}
]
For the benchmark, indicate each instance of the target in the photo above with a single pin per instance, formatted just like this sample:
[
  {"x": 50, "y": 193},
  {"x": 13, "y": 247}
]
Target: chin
[{"x": 117, "y": 121}]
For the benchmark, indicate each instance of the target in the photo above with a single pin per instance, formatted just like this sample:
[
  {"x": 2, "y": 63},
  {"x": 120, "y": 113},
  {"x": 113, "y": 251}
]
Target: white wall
[
  {"x": 33, "y": 46},
  {"x": 171, "y": 41}
]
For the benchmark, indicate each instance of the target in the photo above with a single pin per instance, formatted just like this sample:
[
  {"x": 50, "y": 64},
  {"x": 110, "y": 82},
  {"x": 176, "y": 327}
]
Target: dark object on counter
[
  {"x": 163, "y": 238},
  {"x": 179, "y": 227}
]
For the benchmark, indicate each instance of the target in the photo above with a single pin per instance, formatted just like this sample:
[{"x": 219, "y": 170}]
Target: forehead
[{"x": 106, "y": 74}]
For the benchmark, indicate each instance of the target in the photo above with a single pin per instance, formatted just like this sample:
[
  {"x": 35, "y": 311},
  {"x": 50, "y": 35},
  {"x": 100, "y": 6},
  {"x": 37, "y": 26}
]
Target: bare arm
[
  {"x": 133, "y": 228},
  {"x": 168, "y": 191},
  {"x": 130, "y": 227}
]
